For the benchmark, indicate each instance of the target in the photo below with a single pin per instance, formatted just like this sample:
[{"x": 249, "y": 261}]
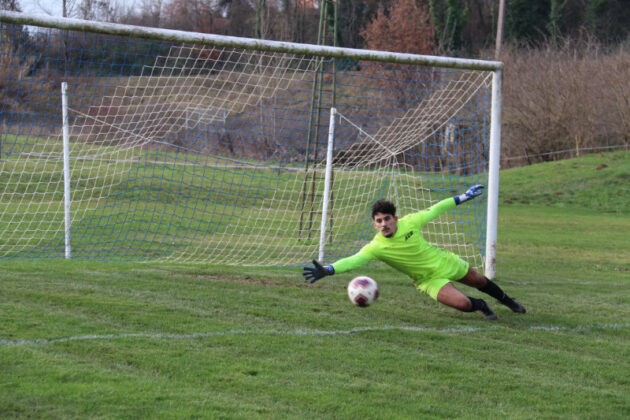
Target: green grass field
[{"x": 121, "y": 340}]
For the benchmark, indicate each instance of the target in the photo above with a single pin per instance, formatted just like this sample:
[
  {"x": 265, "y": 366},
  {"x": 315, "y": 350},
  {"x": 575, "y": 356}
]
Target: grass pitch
[{"x": 106, "y": 340}]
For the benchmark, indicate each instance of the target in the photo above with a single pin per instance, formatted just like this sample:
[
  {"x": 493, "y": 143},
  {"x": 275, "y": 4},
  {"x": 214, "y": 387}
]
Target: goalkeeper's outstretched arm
[
  {"x": 317, "y": 271},
  {"x": 425, "y": 216}
]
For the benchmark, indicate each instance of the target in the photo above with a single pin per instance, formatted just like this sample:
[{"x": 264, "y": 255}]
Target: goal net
[{"x": 208, "y": 149}]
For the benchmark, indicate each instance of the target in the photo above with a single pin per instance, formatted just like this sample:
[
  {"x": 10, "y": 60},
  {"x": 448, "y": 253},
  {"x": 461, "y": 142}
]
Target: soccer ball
[{"x": 362, "y": 291}]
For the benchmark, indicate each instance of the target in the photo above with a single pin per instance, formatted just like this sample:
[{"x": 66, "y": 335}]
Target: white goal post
[{"x": 215, "y": 149}]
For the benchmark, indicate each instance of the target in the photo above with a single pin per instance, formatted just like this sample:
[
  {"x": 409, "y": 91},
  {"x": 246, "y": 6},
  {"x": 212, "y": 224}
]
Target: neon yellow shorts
[{"x": 457, "y": 270}]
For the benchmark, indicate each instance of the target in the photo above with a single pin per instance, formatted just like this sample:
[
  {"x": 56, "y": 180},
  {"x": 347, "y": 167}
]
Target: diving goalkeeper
[{"x": 400, "y": 244}]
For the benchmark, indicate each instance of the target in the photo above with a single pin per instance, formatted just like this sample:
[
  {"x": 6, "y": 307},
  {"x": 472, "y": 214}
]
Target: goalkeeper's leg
[
  {"x": 487, "y": 286},
  {"x": 449, "y": 295}
]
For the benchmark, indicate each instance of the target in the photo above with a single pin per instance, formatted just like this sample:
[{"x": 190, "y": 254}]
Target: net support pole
[
  {"x": 327, "y": 181},
  {"x": 66, "y": 168},
  {"x": 493, "y": 177}
]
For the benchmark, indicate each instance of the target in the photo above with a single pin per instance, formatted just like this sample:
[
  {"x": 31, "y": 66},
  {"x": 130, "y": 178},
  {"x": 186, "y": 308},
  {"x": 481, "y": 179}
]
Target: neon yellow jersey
[{"x": 407, "y": 251}]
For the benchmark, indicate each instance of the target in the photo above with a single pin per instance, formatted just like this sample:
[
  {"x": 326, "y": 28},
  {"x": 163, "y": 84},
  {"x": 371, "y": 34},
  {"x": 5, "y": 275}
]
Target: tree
[
  {"x": 151, "y": 12},
  {"x": 304, "y": 20},
  {"x": 240, "y": 17},
  {"x": 539, "y": 21},
  {"x": 480, "y": 28},
  {"x": 449, "y": 18},
  {"x": 526, "y": 20},
  {"x": 608, "y": 20},
  {"x": 405, "y": 27},
  {"x": 11, "y": 5},
  {"x": 189, "y": 15},
  {"x": 353, "y": 16},
  {"x": 262, "y": 19},
  {"x": 556, "y": 17},
  {"x": 102, "y": 10}
]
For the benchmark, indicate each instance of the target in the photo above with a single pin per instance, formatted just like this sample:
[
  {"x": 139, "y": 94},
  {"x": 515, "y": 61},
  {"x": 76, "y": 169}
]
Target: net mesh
[{"x": 211, "y": 154}]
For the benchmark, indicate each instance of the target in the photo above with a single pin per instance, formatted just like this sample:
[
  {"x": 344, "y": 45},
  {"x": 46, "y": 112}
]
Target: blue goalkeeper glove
[
  {"x": 312, "y": 274},
  {"x": 472, "y": 192}
]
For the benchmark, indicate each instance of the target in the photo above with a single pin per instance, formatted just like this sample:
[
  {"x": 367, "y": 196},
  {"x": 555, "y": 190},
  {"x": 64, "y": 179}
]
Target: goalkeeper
[{"x": 400, "y": 244}]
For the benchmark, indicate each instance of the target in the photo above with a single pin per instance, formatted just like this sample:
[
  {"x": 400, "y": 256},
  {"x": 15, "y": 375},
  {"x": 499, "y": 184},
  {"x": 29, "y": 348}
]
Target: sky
[
  {"x": 55, "y": 7},
  {"x": 49, "y": 7}
]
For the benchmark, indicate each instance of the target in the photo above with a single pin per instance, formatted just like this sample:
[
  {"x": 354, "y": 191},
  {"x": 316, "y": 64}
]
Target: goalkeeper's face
[{"x": 386, "y": 223}]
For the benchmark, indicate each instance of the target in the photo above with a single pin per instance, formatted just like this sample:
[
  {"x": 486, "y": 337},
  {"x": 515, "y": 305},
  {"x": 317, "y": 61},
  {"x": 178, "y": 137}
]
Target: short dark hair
[{"x": 383, "y": 206}]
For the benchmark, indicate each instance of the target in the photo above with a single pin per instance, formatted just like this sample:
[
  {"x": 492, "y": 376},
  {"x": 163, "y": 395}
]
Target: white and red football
[{"x": 363, "y": 291}]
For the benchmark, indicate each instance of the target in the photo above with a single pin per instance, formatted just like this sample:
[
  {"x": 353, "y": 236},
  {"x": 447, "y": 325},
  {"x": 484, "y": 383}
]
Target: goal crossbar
[{"x": 246, "y": 43}]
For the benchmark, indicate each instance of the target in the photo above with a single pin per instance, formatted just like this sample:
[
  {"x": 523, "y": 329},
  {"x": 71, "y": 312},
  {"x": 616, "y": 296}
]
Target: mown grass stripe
[{"x": 301, "y": 332}]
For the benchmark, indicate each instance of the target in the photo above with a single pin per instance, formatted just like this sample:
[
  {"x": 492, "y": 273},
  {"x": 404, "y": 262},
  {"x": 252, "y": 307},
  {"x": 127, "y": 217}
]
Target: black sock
[
  {"x": 476, "y": 304},
  {"x": 493, "y": 290}
]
